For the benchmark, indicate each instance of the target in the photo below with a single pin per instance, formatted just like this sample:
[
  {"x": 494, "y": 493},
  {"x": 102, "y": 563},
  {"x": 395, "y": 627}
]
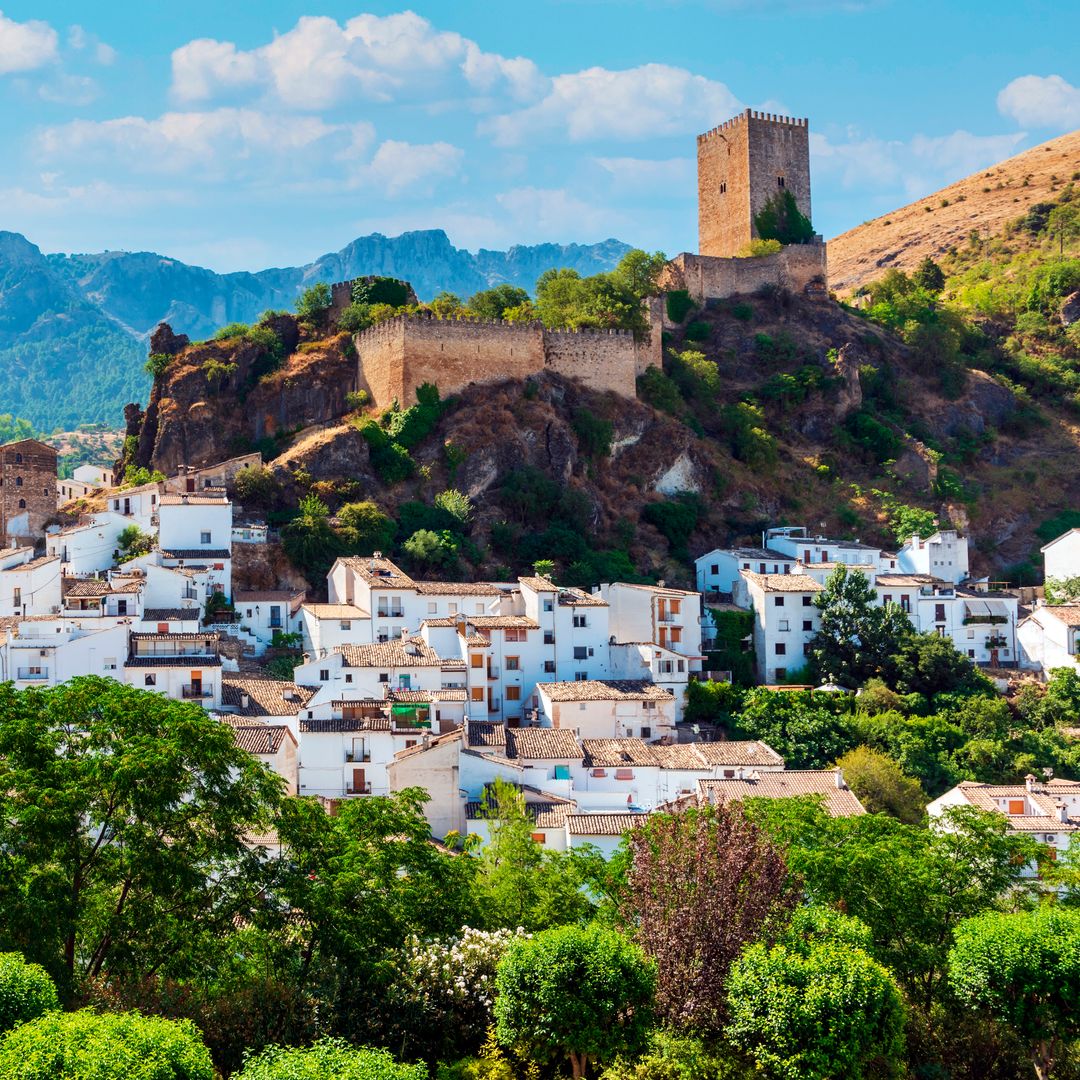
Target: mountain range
[{"x": 73, "y": 328}]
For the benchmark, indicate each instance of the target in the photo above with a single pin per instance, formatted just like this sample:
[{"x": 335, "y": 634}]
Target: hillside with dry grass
[{"x": 981, "y": 203}]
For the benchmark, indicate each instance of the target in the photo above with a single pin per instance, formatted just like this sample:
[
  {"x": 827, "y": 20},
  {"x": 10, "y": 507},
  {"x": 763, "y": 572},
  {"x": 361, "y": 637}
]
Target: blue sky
[{"x": 254, "y": 133}]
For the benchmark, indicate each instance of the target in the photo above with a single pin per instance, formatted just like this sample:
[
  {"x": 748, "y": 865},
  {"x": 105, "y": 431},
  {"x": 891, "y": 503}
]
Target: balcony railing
[
  {"x": 28, "y": 674},
  {"x": 195, "y": 692},
  {"x": 394, "y": 613},
  {"x": 358, "y": 789},
  {"x": 998, "y": 641},
  {"x": 352, "y": 755}
]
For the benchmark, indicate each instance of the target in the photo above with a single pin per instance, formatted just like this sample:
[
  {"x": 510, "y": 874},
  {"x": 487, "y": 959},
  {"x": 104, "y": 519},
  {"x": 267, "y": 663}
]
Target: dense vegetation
[{"x": 142, "y": 936}]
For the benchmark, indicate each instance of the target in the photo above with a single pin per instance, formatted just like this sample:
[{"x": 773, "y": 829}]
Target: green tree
[
  {"x": 26, "y": 991},
  {"x": 447, "y": 305},
  {"x": 543, "y": 568},
  {"x": 493, "y": 303},
  {"x": 113, "y": 1046},
  {"x": 314, "y": 303},
  {"x": 518, "y": 883},
  {"x": 432, "y": 548},
  {"x": 936, "y": 877},
  {"x": 1063, "y": 590},
  {"x": 639, "y": 272},
  {"x": 122, "y": 820},
  {"x": 807, "y": 730},
  {"x": 457, "y": 504},
  {"x": 856, "y": 636},
  {"x": 355, "y": 317},
  {"x": 928, "y": 664},
  {"x": 582, "y": 992},
  {"x": 309, "y": 540},
  {"x": 929, "y": 276},
  {"x": 133, "y": 542},
  {"x": 1024, "y": 970},
  {"x": 881, "y": 786},
  {"x": 256, "y": 485},
  {"x": 328, "y": 1059},
  {"x": 14, "y": 429},
  {"x": 815, "y": 1012},
  {"x": 780, "y": 219},
  {"x": 1063, "y": 222},
  {"x": 364, "y": 528}
]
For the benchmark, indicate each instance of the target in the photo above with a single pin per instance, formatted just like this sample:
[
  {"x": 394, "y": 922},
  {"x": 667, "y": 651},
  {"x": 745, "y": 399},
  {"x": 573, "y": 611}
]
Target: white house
[
  {"x": 794, "y": 541},
  {"x": 268, "y": 612},
  {"x": 46, "y": 651},
  {"x": 195, "y": 532},
  {"x": 1049, "y": 638},
  {"x": 186, "y": 667},
  {"x": 90, "y": 547},
  {"x": 943, "y": 555},
  {"x": 102, "y": 598},
  {"x": 139, "y": 505},
  {"x": 325, "y": 627},
  {"x": 609, "y": 709},
  {"x": 1061, "y": 557},
  {"x": 1048, "y": 812},
  {"x": 85, "y": 480},
  {"x": 28, "y": 585},
  {"x": 717, "y": 571},
  {"x": 785, "y": 620}
]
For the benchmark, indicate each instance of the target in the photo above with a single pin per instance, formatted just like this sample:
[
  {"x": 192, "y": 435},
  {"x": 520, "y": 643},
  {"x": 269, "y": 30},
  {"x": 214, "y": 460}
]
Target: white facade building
[
  {"x": 90, "y": 547},
  {"x": 785, "y": 620},
  {"x": 609, "y": 709},
  {"x": 184, "y": 666},
  {"x": 44, "y": 651},
  {"x": 943, "y": 555},
  {"x": 28, "y": 585},
  {"x": 1049, "y": 638},
  {"x": 1061, "y": 557},
  {"x": 718, "y": 570}
]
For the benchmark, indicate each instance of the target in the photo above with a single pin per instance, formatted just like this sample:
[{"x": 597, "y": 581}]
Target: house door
[
  {"x": 359, "y": 782},
  {"x": 196, "y": 684},
  {"x": 190, "y": 485}
]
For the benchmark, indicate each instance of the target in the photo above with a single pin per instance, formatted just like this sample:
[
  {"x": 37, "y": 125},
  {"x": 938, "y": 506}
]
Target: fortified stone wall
[
  {"x": 397, "y": 356},
  {"x": 708, "y": 278},
  {"x": 27, "y": 490},
  {"x": 741, "y": 165}
]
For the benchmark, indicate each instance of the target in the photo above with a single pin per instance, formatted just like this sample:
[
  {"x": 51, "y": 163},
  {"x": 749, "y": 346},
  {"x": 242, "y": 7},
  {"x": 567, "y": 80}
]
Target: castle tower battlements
[{"x": 742, "y": 163}]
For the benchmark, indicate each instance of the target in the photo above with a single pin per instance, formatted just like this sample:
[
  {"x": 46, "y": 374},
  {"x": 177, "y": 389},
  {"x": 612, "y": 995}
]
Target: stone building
[
  {"x": 741, "y": 165},
  {"x": 27, "y": 490}
]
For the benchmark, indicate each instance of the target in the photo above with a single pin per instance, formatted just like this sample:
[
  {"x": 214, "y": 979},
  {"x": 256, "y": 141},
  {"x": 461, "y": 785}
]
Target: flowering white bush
[{"x": 453, "y": 980}]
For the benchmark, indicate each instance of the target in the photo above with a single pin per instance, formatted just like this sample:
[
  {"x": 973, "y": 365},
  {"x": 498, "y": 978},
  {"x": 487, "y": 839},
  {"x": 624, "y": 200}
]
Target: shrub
[
  {"x": 432, "y": 548},
  {"x": 695, "y": 376},
  {"x": 329, "y": 1059},
  {"x": 26, "y": 991},
  {"x": 256, "y": 485},
  {"x": 656, "y": 388},
  {"x": 679, "y": 305},
  {"x": 314, "y": 302},
  {"x": 456, "y": 504},
  {"x": 217, "y": 372},
  {"x": 879, "y": 442},
  {"x": 232, "y": 330},
  {"x": 357, "y": 399},
  {"x": 756, "y": 248},
  {"x": 158, "y": 363},
  {"x": 676, "y": 519},
  {"x": 742, "y": 311},
  {"x": 111, "y": 1046},
  {"x": 381, "y": 290},
  {"x": 780, "y": 219},
  {"x": 594, "y": 433},
  {"x": 697, "y": 331},
  {"x": 355, "y": 317},
  {"x": 364, "y": 528}
]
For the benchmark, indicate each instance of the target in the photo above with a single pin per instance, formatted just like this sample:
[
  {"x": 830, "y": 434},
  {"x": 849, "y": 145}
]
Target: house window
[
  {"x": 162, "y": 627},
  {"x": 22, "y": 504},
  {"x": 580, "y": 652},
  {"x": 384, "y": 676},
  {"x": 781, "y": 674},
  {"x": 624, "y": 774},
  {"x": 778, "y": 601},
  {"x": 18, "y": 481},
  {"x": 581, "y": 676},
  {"x": 887, "y": 598},
  {"x": 807, "y": 624},
  {"x": 939, "y": 613},
  {"x": 807, "y": 601},
  {"x": 714, "y": 569},
  {"x": 452, "y": 608},
  {"x": 348, "y": 677},
  {"x": 150, "y": 679},
  {"x": 477, "y": 693},
  {"x": 110, "y": 663},
  {"x": 476, "y": 660},
  {"x": 515, "y": 634},
  {"x": 204, "y": 538},
  {"x": 781, "y": 648},
  {"x": 971, "y": 654},
  {"x": 549, "y": 667},
  {"x": 539, "y": 837},
  {"x": 324, "y": 675},
  {"x": 579, "y": 621},
  {"x": 783, "y": 624},
  {"x": 761, "y": 568},
  {"x": 433, "y": 607},
  {"x": 513, "y": 693},
  {"x": 18, "y": 597},
  {"x": 746, "y": 566},
  {"x": 723, "y": 187},
  {"x": 549, "y": 637},
  {"x": 346, "y": 624},
  {"x": 646, "y": 733},
  {"x": 549, "y": 605},
  {"x": 779, "y": 181},
  {"x": 513, "y": 663}
]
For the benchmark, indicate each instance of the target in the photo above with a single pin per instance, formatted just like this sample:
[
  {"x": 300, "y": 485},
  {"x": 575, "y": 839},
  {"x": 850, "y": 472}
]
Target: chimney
[
  {"x": 1063, "y": 814},
  {"x": 840, "y": 785},
  {"x": 244, "y": 701},
  {"x": 1029, "y": 782}
]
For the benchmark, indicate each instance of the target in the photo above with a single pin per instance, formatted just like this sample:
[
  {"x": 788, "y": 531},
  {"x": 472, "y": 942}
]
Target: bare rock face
[
  {"x": 847, "y": 364},
  {"x": 986, "y": 403},
  {"x": 1070, "y": 309},
  {"x": 916, "y": 466},
  {"x": 163, "y": 340}
]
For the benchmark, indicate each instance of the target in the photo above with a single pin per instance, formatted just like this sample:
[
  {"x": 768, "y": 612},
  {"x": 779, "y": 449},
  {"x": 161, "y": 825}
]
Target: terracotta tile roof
[
  {"x": 379, "y": 572},
  {"x": 579, "y": 598},
  {"x": 502, "y": 622},
  {"x": 164, "y": 614},
  {"x": 542, "y": 742},
  {"x": 336, "y": 611},
  {"x": 910, "y": 580},
  {"x": 749, "y": 553},
  {"x": 604, "y": 824},
  {"x": 197, "y": 553},
  {"x": 457, "y": 588},
  {"x": 662, "y": 590},
  {"x": 1069, "y": 614},
  {"x": 266, "y": 696},
  {"x": 401, "y": 652},
  {"x": 33, "y": 564},
  {"x": 447, "y": 622},
  {"x": 190, "y": 500},
  {"x": 485, "y": 733},
  {"x": 1046, "y": 816},
  {"x": 793, "y": 583},
  {"x": 838, "y": 802},
  {"x": 361, "y": 723},
  {"x": 547, "y": 811},
  {"x": 259, "y": 738},
  {"x": 428, "y": 743},
  {"x": 538, "y": 584},
  {"x": 476, "y": 641},
  {"x": 84, "y": 587},
  {"x": 173, "y": 661},
  {"x": 680, "y": 756},
  {"x": 613, "y": 753},
  {"x": 738, "y": 752},
  {"x": 605, "y": 690}
]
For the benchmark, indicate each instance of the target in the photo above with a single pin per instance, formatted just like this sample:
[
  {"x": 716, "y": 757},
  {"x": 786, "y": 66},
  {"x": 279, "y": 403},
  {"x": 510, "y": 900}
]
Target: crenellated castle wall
[{"x": 397, "y": 356}]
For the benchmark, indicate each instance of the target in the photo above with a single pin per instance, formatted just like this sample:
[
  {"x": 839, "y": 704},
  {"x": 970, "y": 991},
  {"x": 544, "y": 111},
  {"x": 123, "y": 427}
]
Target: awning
[{"x": 985, "y": 609}]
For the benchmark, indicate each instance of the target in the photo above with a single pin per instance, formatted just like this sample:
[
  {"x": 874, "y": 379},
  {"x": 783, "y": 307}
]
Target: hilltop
[
  {"x": 981, "y": 203},
  {"x": 73, "y": 328}
]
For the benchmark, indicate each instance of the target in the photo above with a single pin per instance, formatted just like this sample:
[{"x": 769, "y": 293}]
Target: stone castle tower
[{"x": 741, "y": 164}]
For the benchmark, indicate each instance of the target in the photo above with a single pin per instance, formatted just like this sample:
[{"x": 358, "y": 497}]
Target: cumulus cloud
[
  {"x": 67, "y": 89},
  {"x": 25, "y": 46},
  {"x": 910, "y": 167},
  {"x": 321, "y": 63},
  {"x": 1041, "y": 101},
  {"x": 400, "y": 166},
  {"x": 556, "y": 214},
  {"x": 649, "y": 177},
  {"x": 636, "y": 103},
  {"x": 79, "y": 39}
]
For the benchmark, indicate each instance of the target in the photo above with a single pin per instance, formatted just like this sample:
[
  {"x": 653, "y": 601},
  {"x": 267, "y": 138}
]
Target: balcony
[
  {"x": 493, "y": 671},
  {"x": 32, "y": 674},
  {"x": 354, "y": 756},
  {"x": 997, "y": 641},
  {"x": 195, "y": 692},
  {"x": 393, "y": 613},
  {"x": 358, "y": 789}
]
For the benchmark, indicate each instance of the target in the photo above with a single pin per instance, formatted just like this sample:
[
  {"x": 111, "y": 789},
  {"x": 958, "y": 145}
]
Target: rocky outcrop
[
  {"x": 1070, "y": 309},
  {"x": 165, "y": 342},
  {"x": 846, "y": 365},
  {"x": 985, "y": 403}
]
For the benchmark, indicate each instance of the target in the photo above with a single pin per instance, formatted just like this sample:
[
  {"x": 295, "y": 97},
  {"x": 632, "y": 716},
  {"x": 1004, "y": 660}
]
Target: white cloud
[
  {"x": 1041, "y": 101},
  {"x": 398, "y": 166},
  {"x": 320, "y": 63},
  {"x": 668, "y": 178},
  {"x": 79, "y": 39},
  {"x": 67, "y": 89},
  {"x": 210, "y": 144},
  {"x": 637, "y": 103},
  {"x": 912, "y": 168},
  {"x": 25, "y": 46},
  {"x": 556, "y": 214}
]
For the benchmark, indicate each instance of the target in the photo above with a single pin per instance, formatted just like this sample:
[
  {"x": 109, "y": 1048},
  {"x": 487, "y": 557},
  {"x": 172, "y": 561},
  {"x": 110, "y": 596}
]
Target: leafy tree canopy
[
  {"x": 26, "y": 991},
  {"x": 780, "y": 219}
]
